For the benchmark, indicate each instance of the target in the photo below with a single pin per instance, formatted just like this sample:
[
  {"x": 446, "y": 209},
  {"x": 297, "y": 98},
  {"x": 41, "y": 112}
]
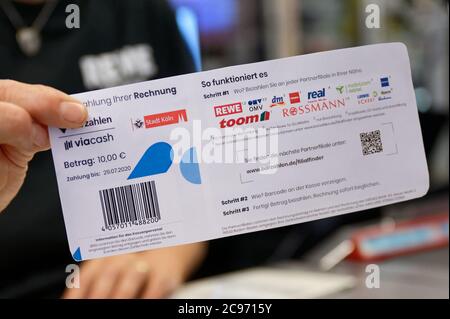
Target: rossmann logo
[
  {"x": 244, "y": 120},
  {"x": 88, "y": 141}
]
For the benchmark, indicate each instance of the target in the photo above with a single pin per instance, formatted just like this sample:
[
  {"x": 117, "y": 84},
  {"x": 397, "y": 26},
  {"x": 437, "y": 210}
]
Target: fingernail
[
  {"x": 73, "y": 112},
  {"x": 39, "y": 135}
]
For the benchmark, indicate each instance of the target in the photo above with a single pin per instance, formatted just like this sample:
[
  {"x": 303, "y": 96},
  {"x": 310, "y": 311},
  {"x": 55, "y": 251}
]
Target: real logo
[{"x": 313, "y": 95}]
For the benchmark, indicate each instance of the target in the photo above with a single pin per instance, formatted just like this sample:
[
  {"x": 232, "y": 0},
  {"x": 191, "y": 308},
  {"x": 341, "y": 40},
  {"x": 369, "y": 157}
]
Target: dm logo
[{"x": 158, "y": 159}]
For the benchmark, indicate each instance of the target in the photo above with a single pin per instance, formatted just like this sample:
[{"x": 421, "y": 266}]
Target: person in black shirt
[{"x": 118, "y": 42}]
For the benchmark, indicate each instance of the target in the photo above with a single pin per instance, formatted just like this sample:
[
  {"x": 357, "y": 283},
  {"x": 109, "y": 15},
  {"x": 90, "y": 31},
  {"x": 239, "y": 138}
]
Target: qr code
[{"x": 371, "y": 142}]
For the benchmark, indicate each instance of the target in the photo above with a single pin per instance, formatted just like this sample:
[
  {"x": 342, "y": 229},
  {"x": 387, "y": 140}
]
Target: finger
[
  {"x": 18, "y": 129},
  {"x": 159, "y": 287},
  {"x": 105, "y": 280},
  {"x": 87, "y": 274},
  {"x": 130, "y": 284},
  {"x": 46, "y": 105}
]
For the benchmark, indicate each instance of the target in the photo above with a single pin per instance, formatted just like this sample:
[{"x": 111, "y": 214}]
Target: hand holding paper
[
  {"x": 240, "y": 149},
  {"x": 25, "y": 112}
]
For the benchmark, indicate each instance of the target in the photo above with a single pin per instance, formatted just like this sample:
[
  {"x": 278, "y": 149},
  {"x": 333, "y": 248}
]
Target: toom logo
[
  {"x": 264, "y": 116},
  {"x": 228, "y": 109},
  {"x": 294, "y": 97},
  {"x": 163, "y": 119},
  {"x": 316, "y": 94}
]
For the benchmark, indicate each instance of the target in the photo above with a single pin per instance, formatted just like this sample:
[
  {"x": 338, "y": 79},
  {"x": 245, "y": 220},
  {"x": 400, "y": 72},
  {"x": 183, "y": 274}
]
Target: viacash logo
[
  {"x": 340, "y": 89},
  {"x": 277, "y": 101},
  {"x": 314, "y": 95},
  {"x": 294, "y": 97},
  {"x": 264, "y": 116},
  {"x": 255, "y": 105},
  {"x": 384, "y": 82},
  {"x": 87, "y": 141},
  {"x": 163, "y": 119},
  {"x": 228, "y": 109}
]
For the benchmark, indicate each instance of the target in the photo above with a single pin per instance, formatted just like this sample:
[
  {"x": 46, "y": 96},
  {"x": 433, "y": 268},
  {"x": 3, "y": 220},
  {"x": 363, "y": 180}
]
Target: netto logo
[
  {"x": 264, "y": 116},
  {"x": 294, "y": 97},
  {"x": 87, "y": 141}
]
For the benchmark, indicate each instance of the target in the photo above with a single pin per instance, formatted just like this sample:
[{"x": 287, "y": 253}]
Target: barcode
[{"x": 130, "y": 204}]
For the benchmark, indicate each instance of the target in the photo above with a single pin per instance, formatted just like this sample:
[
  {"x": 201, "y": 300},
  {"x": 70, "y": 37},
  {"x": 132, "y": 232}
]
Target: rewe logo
[
  {"x": 228, "y": 109},
  {"x": 264, "y": 116},
  {"x": 316, "y": 94}
]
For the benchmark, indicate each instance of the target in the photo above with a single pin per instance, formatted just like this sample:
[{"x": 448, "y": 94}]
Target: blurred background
[{"x": 229, "y": 32}]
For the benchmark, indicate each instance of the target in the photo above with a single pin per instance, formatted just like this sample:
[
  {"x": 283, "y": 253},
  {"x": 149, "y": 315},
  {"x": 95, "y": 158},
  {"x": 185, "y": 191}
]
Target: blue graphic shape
[
  {"x": 157, "y": 159},
  {"x": 77, "y": 255},
  {"x": 189, "y": 166}
]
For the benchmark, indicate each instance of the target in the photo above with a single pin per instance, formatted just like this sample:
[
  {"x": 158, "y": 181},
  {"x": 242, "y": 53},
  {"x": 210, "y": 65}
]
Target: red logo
[
  {"x": 264, "y": 116},
  {"x": 294, "y": 97},
  {"x": 228, "y": 109},
  {"x": 163, "y": 119}
]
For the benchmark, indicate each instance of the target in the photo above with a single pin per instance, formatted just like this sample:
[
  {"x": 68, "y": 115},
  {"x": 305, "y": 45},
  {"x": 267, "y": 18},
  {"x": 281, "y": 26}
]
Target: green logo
[{"x": 340, "y": 89}]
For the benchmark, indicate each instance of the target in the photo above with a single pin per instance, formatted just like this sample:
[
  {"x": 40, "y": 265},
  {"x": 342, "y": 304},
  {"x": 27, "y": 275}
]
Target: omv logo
[{"x": 158, "y": 159}]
